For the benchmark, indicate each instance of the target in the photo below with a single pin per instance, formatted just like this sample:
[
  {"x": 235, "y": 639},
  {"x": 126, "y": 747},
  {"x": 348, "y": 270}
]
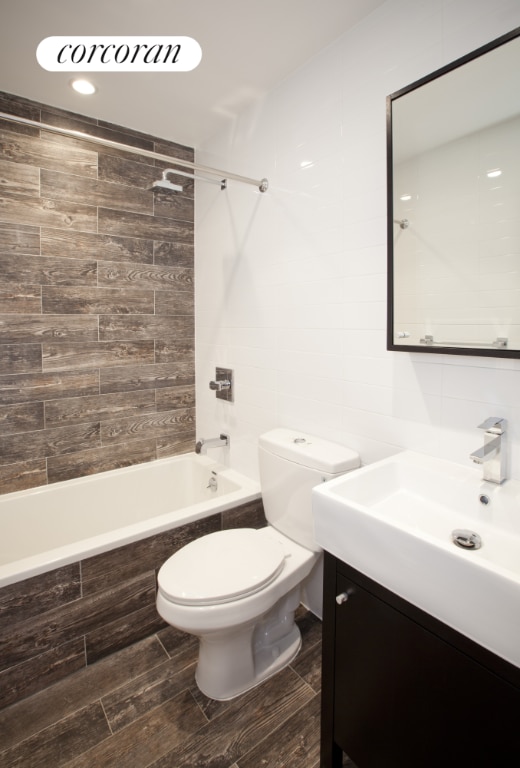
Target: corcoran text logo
[{"x": 118, "y": 54}]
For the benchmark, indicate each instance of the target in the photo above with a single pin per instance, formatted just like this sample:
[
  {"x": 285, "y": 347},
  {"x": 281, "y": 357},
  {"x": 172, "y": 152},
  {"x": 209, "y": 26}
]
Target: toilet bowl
[{"x": 238, "y": 589}]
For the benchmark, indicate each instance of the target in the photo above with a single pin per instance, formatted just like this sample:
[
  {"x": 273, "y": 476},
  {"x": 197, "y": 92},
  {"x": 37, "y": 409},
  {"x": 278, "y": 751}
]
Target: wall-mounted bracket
[{"x": 223, "y": 384}]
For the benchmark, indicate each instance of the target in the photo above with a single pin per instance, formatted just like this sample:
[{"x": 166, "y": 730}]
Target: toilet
[{"x": 238, "y": 589}]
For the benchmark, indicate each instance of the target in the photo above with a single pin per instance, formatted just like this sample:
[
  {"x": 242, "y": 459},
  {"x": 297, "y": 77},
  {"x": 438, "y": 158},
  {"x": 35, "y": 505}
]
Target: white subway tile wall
[{"x": 290, "y": 285}]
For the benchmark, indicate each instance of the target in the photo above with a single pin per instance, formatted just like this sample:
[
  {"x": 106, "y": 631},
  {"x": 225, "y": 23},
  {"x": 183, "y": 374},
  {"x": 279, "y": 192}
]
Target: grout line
[
  {"x": 304, "y": 681},
  {"x": 106, "y": 717},
  {"x": 208, "y": 719},
  {"x": 161, "y": 644}
]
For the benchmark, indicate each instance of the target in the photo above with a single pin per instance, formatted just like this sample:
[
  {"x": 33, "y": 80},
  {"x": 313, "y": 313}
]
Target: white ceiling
[{"x": 248, "y": 46}]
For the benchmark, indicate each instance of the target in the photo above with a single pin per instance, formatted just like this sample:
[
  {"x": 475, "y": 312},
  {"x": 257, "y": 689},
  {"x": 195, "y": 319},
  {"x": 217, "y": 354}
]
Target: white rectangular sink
[{"x": 393, "y": 521}]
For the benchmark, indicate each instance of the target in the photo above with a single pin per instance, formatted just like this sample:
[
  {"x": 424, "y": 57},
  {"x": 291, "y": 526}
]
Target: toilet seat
[{"x": 230, "y": 564}]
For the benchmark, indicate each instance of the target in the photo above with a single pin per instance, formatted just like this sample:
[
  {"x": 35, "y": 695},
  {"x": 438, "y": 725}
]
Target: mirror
[{"x": 453, "y": 148}]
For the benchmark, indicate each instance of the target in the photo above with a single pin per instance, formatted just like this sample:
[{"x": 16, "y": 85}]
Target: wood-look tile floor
[{"x": 141, "y": 708}]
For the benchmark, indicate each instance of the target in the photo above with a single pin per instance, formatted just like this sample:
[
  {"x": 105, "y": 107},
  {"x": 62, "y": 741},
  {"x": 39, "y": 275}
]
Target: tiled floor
[{"x": 140, "y": 708}]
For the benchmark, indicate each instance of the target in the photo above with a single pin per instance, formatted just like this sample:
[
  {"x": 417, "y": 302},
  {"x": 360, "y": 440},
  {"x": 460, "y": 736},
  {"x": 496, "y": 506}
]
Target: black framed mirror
[{"x": 453, "y": 187}]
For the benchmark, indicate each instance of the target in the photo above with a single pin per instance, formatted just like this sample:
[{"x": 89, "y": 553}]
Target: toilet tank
[{"x": 291, "y": 464}]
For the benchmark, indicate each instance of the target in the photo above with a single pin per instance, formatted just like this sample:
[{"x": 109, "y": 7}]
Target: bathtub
[{"x": 45, "y": 528}]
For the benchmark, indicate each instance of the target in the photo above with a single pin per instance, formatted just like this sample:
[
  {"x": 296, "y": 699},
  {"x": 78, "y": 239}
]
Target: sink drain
[{"x": 466, "y": 539}]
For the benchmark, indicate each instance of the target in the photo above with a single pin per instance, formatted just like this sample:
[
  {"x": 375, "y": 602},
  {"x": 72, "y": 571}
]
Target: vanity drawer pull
[{"x": 342, "y": 598}]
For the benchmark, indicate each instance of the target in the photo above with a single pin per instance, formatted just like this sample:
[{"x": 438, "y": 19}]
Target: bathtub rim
[{"x": 52, "y": 559}]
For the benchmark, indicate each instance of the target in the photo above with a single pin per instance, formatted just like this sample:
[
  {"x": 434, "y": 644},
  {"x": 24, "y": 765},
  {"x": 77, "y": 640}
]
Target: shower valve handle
[{"x": 220, "y": 385}]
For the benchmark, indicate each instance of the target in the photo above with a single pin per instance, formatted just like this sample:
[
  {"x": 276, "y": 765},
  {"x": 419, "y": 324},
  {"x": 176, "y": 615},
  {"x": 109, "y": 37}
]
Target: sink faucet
[
  {"x": 202, "y": 445},
  {"x": 492, "y": 455}
]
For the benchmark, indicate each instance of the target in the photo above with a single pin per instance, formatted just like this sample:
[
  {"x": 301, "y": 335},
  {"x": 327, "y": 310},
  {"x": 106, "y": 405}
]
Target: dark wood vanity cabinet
[{"x": 402, "y": 690}]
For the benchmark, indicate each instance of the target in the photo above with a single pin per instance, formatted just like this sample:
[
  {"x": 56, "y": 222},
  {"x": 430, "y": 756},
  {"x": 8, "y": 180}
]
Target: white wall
[{"x": 291, "y": 285}]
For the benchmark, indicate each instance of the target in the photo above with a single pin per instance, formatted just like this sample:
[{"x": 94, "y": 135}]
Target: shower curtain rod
[{"x": 262, "y": 184}]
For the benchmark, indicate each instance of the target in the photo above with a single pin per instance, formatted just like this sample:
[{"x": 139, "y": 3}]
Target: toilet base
[
  {"x": 232, "y": 663},
  {"x": 271, "y": 661}
]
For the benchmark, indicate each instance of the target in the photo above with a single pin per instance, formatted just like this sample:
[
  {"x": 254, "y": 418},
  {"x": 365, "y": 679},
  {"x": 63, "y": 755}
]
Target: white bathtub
[{"x": 55, "y": 525}]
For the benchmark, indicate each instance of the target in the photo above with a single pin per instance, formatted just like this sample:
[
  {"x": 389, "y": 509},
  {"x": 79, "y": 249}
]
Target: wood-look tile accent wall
[
  {"x": 96, "y": 302},
  {"x": 54, "y": 624}
]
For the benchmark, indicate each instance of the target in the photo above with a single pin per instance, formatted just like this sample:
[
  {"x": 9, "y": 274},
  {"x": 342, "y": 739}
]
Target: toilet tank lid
[{"x": 309, "y": 450}]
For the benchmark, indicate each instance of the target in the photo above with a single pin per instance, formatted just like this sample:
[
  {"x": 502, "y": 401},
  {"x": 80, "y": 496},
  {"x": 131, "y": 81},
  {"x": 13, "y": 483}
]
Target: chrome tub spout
[{"x": 203, "y": 444}]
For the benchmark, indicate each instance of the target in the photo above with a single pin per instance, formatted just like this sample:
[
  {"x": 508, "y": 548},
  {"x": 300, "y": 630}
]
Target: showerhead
[{"x": 165, "y": 183}]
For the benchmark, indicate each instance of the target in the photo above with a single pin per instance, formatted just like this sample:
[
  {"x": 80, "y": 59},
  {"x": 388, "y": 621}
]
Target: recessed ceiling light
[
  {"x": 494, "y": 173},
  {"x": 84, "y": 87}
]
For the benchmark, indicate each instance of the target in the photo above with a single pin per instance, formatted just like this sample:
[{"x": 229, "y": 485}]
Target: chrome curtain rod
[{"x": 262, "y": 184}]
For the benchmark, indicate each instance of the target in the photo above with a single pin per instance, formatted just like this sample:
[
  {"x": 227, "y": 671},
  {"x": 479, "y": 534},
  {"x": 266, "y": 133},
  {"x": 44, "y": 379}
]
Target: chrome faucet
[
  {"x": 492, "y": 455},
  {"x": 202, "y": 445}
]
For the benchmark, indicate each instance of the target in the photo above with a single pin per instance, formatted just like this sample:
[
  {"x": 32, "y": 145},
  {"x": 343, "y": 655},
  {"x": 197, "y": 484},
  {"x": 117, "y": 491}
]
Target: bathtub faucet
[{"x": 202, "y": 445}]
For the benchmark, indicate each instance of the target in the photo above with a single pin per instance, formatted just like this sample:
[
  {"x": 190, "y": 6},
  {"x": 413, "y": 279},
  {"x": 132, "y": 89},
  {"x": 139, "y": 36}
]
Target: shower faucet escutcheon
[
  {"x": 222, "y": 384},
  {"x": 492, "y": 455}
]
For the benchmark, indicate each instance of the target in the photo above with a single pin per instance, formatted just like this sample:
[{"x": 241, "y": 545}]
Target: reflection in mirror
[{"x": 454, "y": 207}]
